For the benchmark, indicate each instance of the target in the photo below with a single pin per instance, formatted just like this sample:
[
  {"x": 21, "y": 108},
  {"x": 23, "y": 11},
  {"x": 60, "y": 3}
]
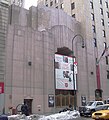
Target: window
[
  {"x": 101, "y": 2},
  {"x": 102, "y": 22},
  {"x": 57, "y": 7},
  {"x": 95, "y": 42},
  {"x": 107, "y": 14},
  {"x": 108, "y": 24},
  {"x": 91, "y": 5},
  {"x": 101, "y": 11},
  {"x": 103, "y": 32},
  {"x": 72, "y": 6},
  {"x": 56, "y": 1},
  {"x": 105, "y": 45},
  {"x": 63, "y": 97},
  {"x": 107, "y": 4},
  {"x": 73, "y": 15},
  {"x": 62, "y": 6},
  {"x": 51, "y": 3},
  {"x": 106, "y": 60},
  {"x": 92, "y": 16},
  {"x": 107, "y": 74},
  {"x": 93, "y": 28}
]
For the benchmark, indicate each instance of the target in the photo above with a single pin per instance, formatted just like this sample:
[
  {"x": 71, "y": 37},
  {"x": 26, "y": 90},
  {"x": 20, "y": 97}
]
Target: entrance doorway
[{"x": 29, "y": 103}]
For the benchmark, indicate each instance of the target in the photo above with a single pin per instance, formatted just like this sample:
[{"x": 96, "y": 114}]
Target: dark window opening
[
  {"x": 95, "y": 42},
  {"x": 51, "y": 3},
  {"x": 104, "y": 34},
  {"x": 106, "y": 60},
  {"x": 93, "y": 28},
  {"x": 91, "y": 5},
  {"x": 72, "y": 6},
  {"x": 92, "y": 16},
  {"x": 101, "y": 2},
  {"x": 101, "y": 11},
  {"x": 73, "y": 15},
  {"x": 107, "y": 4},
  {"x": 107, "y": 74},
  {"x": 108, "y": 14},
  {"x": 102, "y": 22}
]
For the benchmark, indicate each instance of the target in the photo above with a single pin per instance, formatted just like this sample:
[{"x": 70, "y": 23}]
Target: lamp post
[{"x": 83, "y": 45}]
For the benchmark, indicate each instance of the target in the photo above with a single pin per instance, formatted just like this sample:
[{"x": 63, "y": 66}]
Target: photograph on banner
[{"x": 64, "y": 72}]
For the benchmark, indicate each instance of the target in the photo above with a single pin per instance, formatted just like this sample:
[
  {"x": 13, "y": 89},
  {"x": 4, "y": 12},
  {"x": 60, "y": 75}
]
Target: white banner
[{"x": 64, "y": 72}]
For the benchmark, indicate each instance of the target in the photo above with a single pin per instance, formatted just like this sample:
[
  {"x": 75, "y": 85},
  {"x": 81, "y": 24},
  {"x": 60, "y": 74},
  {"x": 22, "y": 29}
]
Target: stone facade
[{"x": 33, "y": 38}]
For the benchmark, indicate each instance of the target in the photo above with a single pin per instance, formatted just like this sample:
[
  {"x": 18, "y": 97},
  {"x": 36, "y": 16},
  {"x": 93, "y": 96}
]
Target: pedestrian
[{"x": 25, "y": 109}]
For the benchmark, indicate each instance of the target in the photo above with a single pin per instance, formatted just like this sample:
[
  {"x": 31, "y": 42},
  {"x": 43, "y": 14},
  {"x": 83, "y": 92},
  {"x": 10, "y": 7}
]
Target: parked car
[
  {"x": 102, "y": 107},
  {"x": 89, "y": 108},
  {"x": 101, "y": 114}
]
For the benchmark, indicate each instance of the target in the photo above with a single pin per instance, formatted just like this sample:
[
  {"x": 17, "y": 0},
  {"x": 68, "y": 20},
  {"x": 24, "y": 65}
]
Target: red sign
[{"x": 1, "y": 87}]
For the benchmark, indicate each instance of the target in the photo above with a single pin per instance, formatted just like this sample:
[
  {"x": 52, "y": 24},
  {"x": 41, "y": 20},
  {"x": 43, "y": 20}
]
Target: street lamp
[{"x": 83, "y": 45}]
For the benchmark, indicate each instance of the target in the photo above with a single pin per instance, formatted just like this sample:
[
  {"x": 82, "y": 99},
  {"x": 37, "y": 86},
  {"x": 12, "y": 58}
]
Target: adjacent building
[{"x": 94, "y": 18}]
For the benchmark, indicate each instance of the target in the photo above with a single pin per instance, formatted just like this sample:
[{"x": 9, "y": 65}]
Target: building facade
[
  {"x": 4, "y": 5},
  {"x": 32, "y": 42},
  {"x": 94, "y": 18}
]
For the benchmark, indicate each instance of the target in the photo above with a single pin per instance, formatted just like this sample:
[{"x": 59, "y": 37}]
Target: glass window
[
  {"x": 62, "y": 6},
  {"x": 108, "y": 24},
  {"x": 104, "y": 34},
  {"x": 63, "y": 98},
  {"x": 101, "y": 11},
  {"x": 100, "y": 1},
  {"x": 92, "y": 16},
  {"x": 102, "y": 22},
  {"x": 72, "y": 6},
  {"x": 107, "y": 74},
  {"x": 73, "y": 15},
  {"x": 51, "y": 3},
  {"x": 107, "y": 4},
  {"x": 95, "y": 42},
  {"x": 106, "y": 60},
  {"x": 93, "y": 28},
  {"x": 56, "y": 1},
  {"x": 107, "y": 14},
  {"x": 91, "y": 5}
]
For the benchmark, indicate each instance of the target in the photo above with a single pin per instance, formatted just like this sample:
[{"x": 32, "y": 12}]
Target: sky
[{"x": 29, "y": 3}]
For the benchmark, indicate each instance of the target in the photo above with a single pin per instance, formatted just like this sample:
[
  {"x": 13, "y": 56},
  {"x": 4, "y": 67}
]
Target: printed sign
[
  {"x": 51, "y": 100},
  {"x": 64, "y": 68}
]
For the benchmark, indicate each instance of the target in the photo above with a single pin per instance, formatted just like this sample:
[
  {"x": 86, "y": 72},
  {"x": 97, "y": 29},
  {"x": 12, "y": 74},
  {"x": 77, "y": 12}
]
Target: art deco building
[{"x": 36, "y": 46}]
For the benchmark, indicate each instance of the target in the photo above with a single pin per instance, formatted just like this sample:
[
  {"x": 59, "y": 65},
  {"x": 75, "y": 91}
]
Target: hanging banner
[
  {"x": 64, "y": 72},
  {"x": 1, "y": 87}
]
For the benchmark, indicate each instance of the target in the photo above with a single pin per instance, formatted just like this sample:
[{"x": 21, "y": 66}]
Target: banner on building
[
  {"x": 1, "y": 87},
  {"x": 64, "y": 72}
]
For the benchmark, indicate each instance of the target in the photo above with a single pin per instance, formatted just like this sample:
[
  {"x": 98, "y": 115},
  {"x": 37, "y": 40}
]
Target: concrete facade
[{"x": 32, "y": 42}]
